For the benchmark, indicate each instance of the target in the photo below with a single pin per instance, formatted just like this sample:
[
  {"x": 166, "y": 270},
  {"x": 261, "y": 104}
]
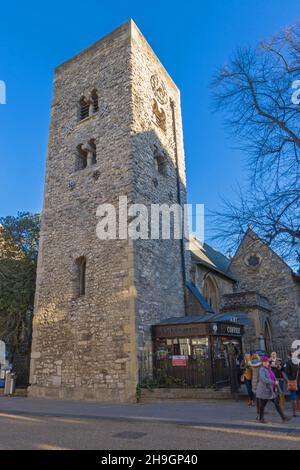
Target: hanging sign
[{"x": 179, "y": 361}]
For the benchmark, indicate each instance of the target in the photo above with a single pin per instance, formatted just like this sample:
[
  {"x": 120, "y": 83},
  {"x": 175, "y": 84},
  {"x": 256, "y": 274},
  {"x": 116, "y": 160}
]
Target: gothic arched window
[
  {"x": 268, "y": 336},
  {"x": 211, "y": 293}
]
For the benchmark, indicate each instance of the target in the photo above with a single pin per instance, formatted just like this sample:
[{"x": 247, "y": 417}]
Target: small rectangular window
[{"x": 81, "y": 275}]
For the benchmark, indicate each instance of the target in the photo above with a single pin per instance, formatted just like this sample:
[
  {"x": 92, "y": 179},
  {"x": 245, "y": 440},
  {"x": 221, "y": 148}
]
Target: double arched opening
[{"x": 88, "y": 106}]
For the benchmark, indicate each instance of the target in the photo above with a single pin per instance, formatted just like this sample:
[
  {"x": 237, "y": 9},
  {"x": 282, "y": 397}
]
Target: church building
[
  {"x": 255, "y": 286},
  {"x": 102, "y": 306}
]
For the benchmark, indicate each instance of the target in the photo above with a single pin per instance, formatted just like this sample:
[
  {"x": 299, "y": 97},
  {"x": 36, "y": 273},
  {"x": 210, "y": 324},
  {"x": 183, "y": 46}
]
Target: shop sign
[
  {"x": 196, "y": 329},
  {"x": 233, "y": 330},
  {"x": 179, "y": 361}
]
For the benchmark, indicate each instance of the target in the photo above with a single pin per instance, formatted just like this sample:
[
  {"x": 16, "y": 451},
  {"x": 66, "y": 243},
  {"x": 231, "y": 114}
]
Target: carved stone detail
[
  {"x": 159, "y": 89},
  {"x": 159, "y": 116}
]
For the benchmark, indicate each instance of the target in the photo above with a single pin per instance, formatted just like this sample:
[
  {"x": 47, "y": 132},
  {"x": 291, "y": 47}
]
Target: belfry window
[
  {"x": 88, "y": 106},
  {"x": 95, "y": 101},
  {"x": 86, "y": 155},
  {"x": 81, "y": 275},
  {"x": 84, "y": 108}
]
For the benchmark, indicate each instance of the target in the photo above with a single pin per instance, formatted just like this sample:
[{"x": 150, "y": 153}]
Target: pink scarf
[{"x": 272, "y": 377}]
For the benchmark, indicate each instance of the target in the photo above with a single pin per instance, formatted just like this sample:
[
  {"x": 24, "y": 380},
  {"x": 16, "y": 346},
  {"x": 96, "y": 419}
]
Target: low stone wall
[
  {"x": 157, "y": 394},
  {"x": 20, "y": 392}
]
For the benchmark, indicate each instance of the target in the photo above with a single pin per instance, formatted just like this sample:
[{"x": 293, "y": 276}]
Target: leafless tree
[{"x": 255, "y": 92}]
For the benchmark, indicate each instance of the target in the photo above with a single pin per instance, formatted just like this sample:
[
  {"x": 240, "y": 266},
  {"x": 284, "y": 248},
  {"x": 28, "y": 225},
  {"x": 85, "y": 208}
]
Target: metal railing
[{"x": 158, "y": 372}]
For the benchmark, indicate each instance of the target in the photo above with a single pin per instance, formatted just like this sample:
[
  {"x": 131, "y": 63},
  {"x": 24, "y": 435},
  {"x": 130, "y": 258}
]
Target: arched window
[
  {"x": 95, "y": 101},
  {"x": 268, "y": 336},
  {"x": 211, "y": 293},
  {"x": 80, "y": 275},
  {"x": 84, "y": 108}
]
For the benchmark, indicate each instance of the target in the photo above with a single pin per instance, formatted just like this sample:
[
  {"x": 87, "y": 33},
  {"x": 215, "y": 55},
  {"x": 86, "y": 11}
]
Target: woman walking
[
  {"x": 247, "y": 377},
  {"x": 267, "y": 390}
]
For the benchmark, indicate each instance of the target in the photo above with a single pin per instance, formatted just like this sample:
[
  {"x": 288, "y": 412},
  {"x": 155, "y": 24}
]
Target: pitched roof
[
  {"x": 234, "y": 317},
  {"x": 207, "y": 256},
  {"x": 253, "y": 235}
]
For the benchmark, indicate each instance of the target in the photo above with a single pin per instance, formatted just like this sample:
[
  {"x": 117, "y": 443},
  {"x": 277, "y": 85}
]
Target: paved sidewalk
[{"x": 209, "y": 413}]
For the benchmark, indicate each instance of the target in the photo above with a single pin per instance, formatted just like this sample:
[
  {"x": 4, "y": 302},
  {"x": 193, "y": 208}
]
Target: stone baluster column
[
  {"x": 90, "y": 154},
  {"x": 91, "y": 106}
]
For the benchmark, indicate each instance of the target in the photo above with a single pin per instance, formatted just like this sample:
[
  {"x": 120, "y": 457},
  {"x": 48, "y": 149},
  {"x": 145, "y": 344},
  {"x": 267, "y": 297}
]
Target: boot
[
  {"x": 282, "y": 401},
  {"x": 295, "y": 409},
  {"x": 280, "y": 412}
]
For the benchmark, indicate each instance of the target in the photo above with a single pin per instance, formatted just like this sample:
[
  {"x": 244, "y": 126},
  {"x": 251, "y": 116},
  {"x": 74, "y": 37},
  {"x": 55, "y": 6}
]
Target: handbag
[{"x": 293, "y": 384}]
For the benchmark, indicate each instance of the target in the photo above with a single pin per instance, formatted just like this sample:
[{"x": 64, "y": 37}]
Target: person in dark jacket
[
  {"x": 292, "y": 372},
  {"x": 276, "y": 365},
  {"x": 247, "y": 376}
]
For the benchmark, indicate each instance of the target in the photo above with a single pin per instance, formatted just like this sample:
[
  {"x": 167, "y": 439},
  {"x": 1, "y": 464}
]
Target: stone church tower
[{"x": 115, "y": 131}]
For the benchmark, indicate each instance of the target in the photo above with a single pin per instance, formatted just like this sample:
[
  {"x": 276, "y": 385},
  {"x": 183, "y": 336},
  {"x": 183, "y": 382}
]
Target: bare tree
[{"x": 255, "y": 90}]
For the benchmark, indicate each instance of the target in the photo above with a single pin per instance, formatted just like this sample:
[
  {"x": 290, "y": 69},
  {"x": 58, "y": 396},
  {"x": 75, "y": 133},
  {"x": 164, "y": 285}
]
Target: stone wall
[
  {"x": 271, "y": 277},
  {"x": 85, "y": 347},
  {"x": 258, "y": 311},
  {"x": 158, "y": 263}
]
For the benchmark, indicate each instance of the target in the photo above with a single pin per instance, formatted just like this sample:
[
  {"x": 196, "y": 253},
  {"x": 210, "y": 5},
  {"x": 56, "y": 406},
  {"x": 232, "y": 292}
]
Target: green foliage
[
  {"x": 138, "y": 393},
  {"x": 162, "y": 380},
  {"x": 18, "y": 259},
  {"x": 20, "y": 235}
]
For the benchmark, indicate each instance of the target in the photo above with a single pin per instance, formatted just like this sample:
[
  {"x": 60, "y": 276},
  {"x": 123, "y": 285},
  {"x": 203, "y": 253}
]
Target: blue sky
[{"x": 192, "y": 39}]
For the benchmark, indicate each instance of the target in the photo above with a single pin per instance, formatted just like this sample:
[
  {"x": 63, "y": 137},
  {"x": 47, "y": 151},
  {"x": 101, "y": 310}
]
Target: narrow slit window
[{"x": 81, "y": 275}]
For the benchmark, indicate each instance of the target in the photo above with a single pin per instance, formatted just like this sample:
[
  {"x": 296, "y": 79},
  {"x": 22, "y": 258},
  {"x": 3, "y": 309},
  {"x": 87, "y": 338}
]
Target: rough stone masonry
[{"x": 115, "y": 131}]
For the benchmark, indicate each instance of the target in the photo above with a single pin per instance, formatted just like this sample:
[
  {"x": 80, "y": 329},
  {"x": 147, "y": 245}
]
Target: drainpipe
[{"x": 179, "y": 199}]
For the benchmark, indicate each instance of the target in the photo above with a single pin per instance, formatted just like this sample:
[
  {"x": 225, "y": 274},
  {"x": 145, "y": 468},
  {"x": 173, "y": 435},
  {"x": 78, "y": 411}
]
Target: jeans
[
  {"x": 294, "y": 395},
  {"x": 262, "y": 406},
  {"x": 248, "y": 384}
]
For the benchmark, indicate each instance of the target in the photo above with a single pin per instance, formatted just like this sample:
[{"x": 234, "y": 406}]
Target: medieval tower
[{"x": 115, "y": 131}]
